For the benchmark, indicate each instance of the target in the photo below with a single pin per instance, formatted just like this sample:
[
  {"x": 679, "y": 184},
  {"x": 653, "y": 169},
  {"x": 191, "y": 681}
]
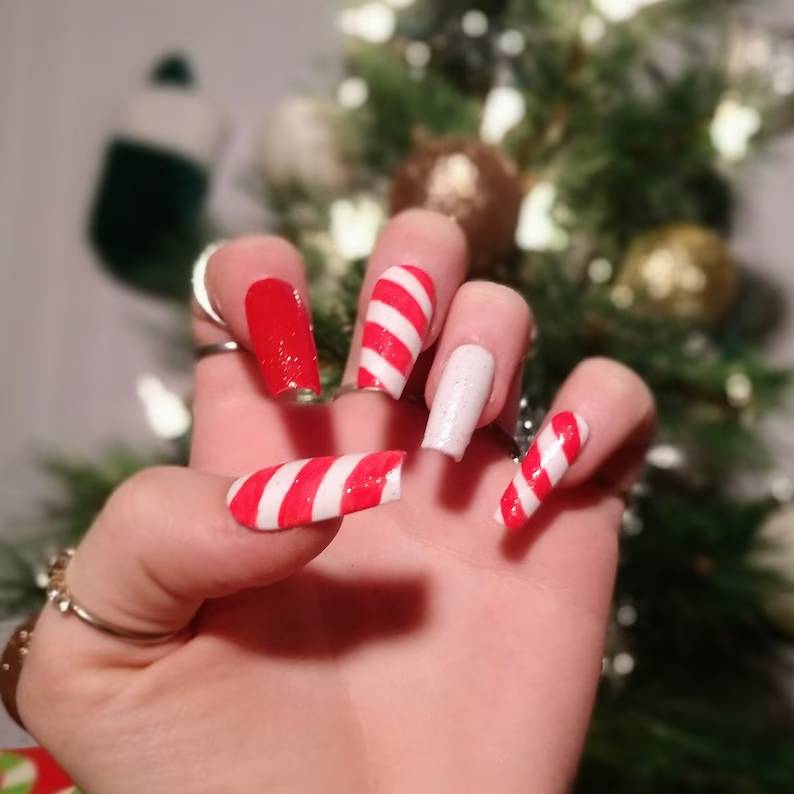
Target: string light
[
  {"x": 592, "y": 29},
  {"x": 474, "y": 23},
  {"x": 504, "y": 108},
  {"x": 352, "y": 92},
  {"x": 354, "y": 226},
  {"x": 739, "y": 390},
  {"x": 623, "y": 663},
  {"x": 537, "y": 229},
  {"x": 512, "y": 42},
  {"x": 373, "y": 22},
  {"x": 165, "y": 411},
  {"x": 621, "y": 10},
  {"x": 666, "y": 457},
  {"x": 417, "y": 54},
  {"x": 600, "y": 271},
  {"x": 733, "y": 127},
  {"x": 626, "y": 615},
  {"x": 622, "y": 296}
]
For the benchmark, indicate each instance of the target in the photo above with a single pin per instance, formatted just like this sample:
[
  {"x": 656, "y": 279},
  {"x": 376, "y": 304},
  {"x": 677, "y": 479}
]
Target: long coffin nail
[
  {"x": 462, "y": 393},
  {"x": 553, "y": 451},
  {"x": 397, "y": 321},
  {"x": 314, "y": 489},
  {"x": 281, "y": 333}
]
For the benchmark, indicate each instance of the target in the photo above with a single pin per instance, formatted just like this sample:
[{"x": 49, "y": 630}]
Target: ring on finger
[
  {"x": 215, "y": 348},
  {"x": 199, "y": 285}
]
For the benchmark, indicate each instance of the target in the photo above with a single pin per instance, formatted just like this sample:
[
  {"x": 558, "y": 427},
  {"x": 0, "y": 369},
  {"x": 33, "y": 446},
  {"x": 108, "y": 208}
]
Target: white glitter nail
[{"x": 464, "y": 390}]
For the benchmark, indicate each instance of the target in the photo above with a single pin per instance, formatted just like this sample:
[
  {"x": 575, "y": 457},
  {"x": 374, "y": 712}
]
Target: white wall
[{"x": 72, "y": 341}]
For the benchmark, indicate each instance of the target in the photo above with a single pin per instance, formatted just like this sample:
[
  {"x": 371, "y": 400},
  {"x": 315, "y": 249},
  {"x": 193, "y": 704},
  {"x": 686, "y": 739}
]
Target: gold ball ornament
[
  {"x": 777, "y": 557},
  {"x": 470, "y": 182},
  {"x": 684, "y": 271}
]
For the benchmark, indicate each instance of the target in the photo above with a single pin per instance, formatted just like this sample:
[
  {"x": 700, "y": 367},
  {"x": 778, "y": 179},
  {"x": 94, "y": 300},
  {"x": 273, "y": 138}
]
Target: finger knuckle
[{"x": 132, "y": 503}]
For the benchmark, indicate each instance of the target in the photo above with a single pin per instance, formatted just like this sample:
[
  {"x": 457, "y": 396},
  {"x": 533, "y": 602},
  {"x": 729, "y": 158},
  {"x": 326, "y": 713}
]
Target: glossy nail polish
[
  {"x": 395, "y": 328},
  {"x": 305, "y": 491},
  {"x": 553, "y": 451},
  {"x": 462, "y": 393},
  {"x": 281, "y": 334}
]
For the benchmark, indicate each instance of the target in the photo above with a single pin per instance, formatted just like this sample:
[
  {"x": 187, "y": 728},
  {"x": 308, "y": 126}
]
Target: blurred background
[{"x": 83, "y": 353}]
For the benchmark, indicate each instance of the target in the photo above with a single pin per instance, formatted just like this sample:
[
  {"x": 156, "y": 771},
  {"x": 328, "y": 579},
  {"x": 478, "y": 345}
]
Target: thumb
[{"x": 166, "y": 540}]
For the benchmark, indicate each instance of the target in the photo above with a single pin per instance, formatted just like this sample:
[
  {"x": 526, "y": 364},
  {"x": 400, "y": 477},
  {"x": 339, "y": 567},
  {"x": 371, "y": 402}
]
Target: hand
[{"x": 423, "y": 648}]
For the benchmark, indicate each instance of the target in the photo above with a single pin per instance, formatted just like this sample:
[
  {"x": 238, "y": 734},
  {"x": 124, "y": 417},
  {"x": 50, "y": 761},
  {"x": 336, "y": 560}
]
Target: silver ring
[
  {"x": 215, "y": 348},
  {"x": 199, "y": 285},
  {"x": 59, "y": 594}
]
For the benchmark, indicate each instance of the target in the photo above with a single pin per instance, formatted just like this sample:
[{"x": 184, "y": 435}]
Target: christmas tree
[{"x": 589, "y": 149}]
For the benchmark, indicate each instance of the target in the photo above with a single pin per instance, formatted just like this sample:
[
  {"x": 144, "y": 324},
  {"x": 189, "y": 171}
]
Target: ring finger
[{"x": 479, "y": 357}]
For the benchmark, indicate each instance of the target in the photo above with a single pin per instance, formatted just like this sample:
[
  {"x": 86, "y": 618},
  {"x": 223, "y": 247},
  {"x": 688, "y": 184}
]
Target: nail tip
[{"x": 434, "y": 446}]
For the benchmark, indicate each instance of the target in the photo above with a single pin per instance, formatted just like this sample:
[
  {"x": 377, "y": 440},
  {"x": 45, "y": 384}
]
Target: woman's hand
[{"x": 421, "y": 648}]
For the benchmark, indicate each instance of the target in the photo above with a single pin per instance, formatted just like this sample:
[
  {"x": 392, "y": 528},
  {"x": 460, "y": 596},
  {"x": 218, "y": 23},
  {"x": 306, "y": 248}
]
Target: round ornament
[
  {"x": 298, "y": 145},
  {"x": 683, "y": 271},
  {"x": 777, "y": 557},
  {"x": 470, "y": 182}
]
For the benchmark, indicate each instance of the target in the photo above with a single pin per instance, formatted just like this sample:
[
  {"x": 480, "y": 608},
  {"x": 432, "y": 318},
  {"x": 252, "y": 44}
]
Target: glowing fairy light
[
  {"x": 165, "y": 411},
  {"x": 504, "y": 108},
  {"x": 621, "y": 10},
  {"x": 352, "y": 92},
  {"x": 537, "y": 229},
  {"x": 354, "y": 226},
  {"x": 474, "y": 23},
  {"x": 418, "y": 54},
  {"x": 592, "y": 29},
  {"x": 733, "y": 127},
  {"x": 373, "y": 22}
]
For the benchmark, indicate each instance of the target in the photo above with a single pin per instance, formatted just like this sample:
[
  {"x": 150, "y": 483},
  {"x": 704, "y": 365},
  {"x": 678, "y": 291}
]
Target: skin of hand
[{"x": 420, "y": 647}]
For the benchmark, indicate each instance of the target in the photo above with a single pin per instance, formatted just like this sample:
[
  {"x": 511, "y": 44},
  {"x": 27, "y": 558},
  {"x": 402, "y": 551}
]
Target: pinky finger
[{"x": 601, "y": 421}]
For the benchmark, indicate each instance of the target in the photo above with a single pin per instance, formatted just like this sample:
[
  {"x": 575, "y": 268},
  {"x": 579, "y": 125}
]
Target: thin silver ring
[
  {"x": 200, "y": 287},
  {"x": 60, "y": 596},
  {"x": 203, "y": 351}
]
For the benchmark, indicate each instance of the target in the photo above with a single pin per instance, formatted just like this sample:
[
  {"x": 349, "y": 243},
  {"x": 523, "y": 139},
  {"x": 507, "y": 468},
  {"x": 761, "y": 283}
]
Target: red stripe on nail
[
  {"x": 296, "y": 509},
  {"x": 425, "y": 280},
  {"x": 396, "y": 296},
  {"x": 536, "y": 476},
  {"x": 388, "y": 346},
  {"x": 566, "y": 429},
  {"x": 512, "y": 513},
  {"x": 364, "y": 487},
  {"x": 245, "y": 505},
  {"x": 367, "y": 380}
]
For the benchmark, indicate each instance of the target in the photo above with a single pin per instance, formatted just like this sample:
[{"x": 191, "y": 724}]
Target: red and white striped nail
[
  {"x": 304, "y": 491},
  {"x": 557, "y": 446},
  {"x": 395, "y": 328}
]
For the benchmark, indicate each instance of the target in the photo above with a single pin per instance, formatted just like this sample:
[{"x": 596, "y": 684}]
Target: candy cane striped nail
[
  {"x": 396, "y": 325},
  {"x": 314, "y": 489},
  {"x": 553, "y": 451}
]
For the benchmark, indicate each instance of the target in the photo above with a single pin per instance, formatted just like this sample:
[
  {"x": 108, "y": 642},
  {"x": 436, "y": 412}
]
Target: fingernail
[
  {"x": 314, "y": 489},
  {"x": 557, "y": 446},
  {"x": 281, "y": 334},
  {"x": 462, "y": 393},
  {"x": 396, "y": 325}
]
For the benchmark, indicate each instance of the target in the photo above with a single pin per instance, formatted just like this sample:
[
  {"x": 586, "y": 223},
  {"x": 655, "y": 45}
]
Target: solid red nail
[{"x": 282, "y": 337}]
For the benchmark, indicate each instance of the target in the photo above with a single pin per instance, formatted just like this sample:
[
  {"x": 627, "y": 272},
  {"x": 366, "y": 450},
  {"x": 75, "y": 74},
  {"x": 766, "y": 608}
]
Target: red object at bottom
[{"x": 33, "y": 770}]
